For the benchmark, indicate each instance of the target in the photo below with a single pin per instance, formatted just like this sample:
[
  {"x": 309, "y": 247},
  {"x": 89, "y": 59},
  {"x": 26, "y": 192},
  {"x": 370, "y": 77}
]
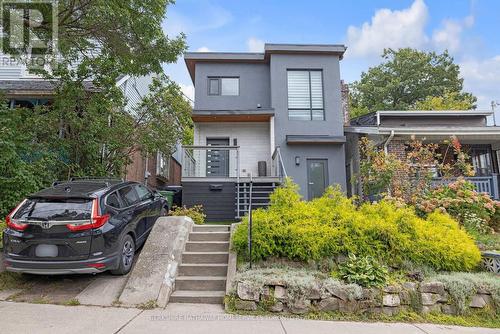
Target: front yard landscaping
[{"x": 334, "y": 258}]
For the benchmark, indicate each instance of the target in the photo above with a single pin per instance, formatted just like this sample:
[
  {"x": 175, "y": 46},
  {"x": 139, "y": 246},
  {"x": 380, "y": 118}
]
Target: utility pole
[{"x": 494, "y": 104}]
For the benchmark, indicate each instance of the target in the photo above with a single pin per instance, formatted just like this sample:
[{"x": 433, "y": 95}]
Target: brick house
[{"x": 393, "y": 130}]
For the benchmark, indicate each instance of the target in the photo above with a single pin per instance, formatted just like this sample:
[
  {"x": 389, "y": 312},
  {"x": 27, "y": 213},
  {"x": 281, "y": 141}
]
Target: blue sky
[{"x": 468, "y": 29}]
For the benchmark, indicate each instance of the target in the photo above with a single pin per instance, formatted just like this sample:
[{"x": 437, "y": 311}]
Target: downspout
[
  {"x": 385, "y": 151},
  {"x": 146, "y": 169},
  {"x": 388, "y": 141}
]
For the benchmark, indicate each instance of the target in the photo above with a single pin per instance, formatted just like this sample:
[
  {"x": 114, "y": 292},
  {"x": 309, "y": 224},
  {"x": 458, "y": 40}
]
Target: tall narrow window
[{"x": 305, "y": 95}]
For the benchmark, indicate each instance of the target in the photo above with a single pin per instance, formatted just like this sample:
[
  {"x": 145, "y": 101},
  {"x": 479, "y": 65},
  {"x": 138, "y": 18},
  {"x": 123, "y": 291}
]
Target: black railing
[{"x": 250, "y": 234}]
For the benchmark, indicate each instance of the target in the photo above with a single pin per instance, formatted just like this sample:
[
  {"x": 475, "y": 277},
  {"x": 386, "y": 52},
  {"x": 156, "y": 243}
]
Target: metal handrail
[
  {"x": 277, "y": 152},
  {"x": 250, "y": 234}
]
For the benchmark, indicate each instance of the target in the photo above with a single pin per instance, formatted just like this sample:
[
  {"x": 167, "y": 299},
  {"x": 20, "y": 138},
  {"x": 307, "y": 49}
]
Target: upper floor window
[
  {"x": 305, "y": 95},
  {"x": 224, "y": 86}
]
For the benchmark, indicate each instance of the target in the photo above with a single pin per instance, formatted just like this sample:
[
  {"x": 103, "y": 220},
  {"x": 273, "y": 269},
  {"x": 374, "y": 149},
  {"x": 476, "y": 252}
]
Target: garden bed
[{"x": 336, "y": 257}]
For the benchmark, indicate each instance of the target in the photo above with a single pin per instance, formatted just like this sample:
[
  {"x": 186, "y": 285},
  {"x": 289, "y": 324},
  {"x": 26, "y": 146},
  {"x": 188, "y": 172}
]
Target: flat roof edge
[{"x": 410, "y": 113}]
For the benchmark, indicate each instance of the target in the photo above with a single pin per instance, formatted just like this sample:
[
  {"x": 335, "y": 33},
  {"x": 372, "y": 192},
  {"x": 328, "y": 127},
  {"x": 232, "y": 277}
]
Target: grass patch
[
  {"x": 487, "y": 242},
  {"x": 41, "y": 300},
  {"x": 481, "y": 318},
  {"x": 9, "y": 280},
  {"x": 149, "y": 305},
  {"x": 72, "y": 302}
]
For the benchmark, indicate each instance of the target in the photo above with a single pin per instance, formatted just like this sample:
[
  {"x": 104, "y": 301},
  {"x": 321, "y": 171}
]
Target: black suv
[{"x": 81, "y": 226}]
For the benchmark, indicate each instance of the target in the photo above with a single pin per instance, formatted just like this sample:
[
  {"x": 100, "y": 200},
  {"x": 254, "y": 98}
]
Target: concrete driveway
[{"x": 187, "y": 318}]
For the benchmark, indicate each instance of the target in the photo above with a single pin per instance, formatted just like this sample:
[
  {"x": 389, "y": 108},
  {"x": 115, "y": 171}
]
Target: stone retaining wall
[{"x": 421, "y": 297}]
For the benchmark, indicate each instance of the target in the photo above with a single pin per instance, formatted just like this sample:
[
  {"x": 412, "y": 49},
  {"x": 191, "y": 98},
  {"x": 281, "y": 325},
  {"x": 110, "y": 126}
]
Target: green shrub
[
  {"x": 195, "y": 213},
  {"x": 364, "y": 271},
  {"x": 332, "y": 225},
  {"x": 3, "y": 226}
]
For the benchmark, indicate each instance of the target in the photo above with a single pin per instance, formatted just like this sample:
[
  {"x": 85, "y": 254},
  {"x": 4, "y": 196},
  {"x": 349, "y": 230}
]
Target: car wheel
[{"x": 126, "y": 253}]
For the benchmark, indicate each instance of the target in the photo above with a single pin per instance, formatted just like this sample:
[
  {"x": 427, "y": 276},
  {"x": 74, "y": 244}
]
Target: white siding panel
[{"x": 253, "y": 139}]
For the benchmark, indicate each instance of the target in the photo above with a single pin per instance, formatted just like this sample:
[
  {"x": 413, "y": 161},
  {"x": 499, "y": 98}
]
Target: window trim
[
  {"x": 311, "y": 109},
  {"x": 219, "y": 80}
]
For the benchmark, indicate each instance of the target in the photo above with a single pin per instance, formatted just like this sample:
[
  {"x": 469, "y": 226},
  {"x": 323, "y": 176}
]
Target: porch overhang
[
  {"x": 253, "y": 115},
  {"x": 314, "y": 139},
  {"x": 491, "y": 133},
  {"x": 26, "y": 88}
]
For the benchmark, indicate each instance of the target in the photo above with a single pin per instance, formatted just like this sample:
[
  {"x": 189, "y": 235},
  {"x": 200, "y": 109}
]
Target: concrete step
[
  {"x": 197, "y": 297},
  {"x": 205, "y": 257},
  {"x": 200, "y": 283},
  {"x": 206, "y": 269},
  {"x": 209, "y": 236},
  {"x": 207, "y": 246},
  {"x": 211, "y": 228}
]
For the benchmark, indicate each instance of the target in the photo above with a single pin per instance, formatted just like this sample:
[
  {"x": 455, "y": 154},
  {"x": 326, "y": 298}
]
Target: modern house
[
  {"x": 393, "y": 130},
  {"x": 24, "y": 89},
  {"x": 267, "y": 116}
]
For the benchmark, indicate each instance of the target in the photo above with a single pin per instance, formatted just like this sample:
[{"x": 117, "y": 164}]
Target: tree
[
  {"x": 448, "y": 101},
  {"x": 86, "y": 131},
  {"x": 405, "y": 78}
]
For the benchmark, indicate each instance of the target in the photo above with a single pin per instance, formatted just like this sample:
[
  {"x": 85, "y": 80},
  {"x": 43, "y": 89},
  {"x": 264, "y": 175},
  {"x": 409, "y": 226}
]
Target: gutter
[{"x": 388, "y": 141}]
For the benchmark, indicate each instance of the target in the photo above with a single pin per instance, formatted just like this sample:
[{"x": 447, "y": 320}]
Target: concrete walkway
[{"x": 186, "y": 318}]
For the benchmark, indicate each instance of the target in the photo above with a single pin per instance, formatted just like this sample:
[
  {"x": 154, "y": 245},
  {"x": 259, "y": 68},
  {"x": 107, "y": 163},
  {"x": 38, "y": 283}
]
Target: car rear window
[{"x": 45, "y": 209}]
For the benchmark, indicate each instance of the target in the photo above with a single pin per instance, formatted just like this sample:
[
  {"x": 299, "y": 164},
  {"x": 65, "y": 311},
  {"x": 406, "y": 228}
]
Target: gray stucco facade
[
  {"x": 254, "y": 86},
  {"x": 263, "y": 86},
  {"x": 332, "y": 125}
]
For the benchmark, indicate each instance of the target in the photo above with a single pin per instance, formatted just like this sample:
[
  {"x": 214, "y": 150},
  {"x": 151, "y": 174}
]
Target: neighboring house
[
  {"x": 393, "y": 130},
  {"x": 266, "y": 115},
  {"x": 23, "y": 89}
]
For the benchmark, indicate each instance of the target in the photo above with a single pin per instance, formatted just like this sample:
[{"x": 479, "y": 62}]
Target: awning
[{"x": 314, "y": 139}]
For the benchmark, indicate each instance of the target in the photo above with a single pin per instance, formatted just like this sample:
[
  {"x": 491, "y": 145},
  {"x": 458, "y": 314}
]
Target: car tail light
[
  {"x": 14, "y": 223},
  {"x": 96, "y": 265},
  {"x": 96, "y": 219}
]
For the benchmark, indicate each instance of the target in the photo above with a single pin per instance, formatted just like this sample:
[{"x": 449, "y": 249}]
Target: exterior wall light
[{"x": 297, "y": 160}]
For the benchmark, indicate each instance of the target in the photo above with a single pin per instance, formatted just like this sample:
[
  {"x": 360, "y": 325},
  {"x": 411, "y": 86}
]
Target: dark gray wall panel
[{"x": 219, "y": 205}]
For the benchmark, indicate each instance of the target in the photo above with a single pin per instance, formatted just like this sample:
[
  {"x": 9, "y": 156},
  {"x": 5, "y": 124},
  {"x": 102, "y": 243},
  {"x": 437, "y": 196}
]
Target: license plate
[{"x": 46, "y": 251}]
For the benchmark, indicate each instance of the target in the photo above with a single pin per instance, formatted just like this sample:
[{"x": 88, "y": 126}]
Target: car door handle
[{"x": 311, "y": 183}]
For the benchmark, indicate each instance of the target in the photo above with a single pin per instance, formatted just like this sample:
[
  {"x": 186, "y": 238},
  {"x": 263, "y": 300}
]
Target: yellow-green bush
[
  {"x": 195, "y": 213},
  {"x": 333, "y": 225}
]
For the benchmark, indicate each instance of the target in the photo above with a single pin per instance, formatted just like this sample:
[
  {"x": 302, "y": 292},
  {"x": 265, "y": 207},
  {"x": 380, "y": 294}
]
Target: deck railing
[
  {"x": 210, "y": 161},
  {"x": 483, "y": 184},
  {"x": 200, "y": 161}
]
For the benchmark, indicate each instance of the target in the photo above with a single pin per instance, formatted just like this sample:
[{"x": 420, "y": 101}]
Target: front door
[
  {"x": 217, "y": 160},
  {"x": 317, "y": 177}
]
